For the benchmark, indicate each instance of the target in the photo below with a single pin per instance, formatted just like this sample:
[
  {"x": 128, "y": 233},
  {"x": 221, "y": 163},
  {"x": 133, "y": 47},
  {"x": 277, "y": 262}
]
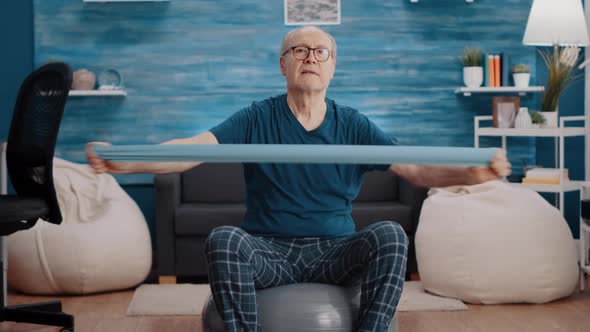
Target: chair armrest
[
  {"x": 413, "y": 196},
  {"x": 167, "y": 200}
]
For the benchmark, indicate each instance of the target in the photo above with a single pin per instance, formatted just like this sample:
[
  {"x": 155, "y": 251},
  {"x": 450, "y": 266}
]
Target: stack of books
[
  {"x": 544, "y": 176},
  {"x": 496, "y": 70}
]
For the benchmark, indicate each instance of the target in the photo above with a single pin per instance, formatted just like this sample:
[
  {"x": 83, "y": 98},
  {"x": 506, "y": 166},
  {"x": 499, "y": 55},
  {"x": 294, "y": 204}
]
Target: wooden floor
[{"x": 106, "y": 313}]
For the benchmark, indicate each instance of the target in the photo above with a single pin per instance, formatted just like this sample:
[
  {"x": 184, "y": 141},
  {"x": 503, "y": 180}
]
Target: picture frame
[
  {"x": 504, "y": 111},
  {"x": 312, "y": 12}
]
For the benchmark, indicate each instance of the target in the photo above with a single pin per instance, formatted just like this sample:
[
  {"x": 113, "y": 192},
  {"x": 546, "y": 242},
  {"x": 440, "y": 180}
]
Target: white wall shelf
[
  {"x": 98, "y": 93},
  {"x": 502, "y": 89}
]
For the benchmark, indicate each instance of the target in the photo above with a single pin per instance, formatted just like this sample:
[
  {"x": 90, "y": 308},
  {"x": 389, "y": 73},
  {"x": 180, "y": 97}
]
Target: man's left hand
[{"x": 498, "y": 167}]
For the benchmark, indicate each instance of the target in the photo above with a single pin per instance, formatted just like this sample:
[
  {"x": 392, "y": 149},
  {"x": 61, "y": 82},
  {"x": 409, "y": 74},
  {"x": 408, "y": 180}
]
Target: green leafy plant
[
  {"x": 472, "y": 57},
  {"x": 520, "y": 68},
  {"x": 561, "y": 66},
  {"x": 537, "y": 118}
]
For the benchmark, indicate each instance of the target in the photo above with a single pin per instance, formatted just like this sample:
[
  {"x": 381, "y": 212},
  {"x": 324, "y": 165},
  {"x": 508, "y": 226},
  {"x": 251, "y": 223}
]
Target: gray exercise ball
[{"x": 300, "y": 307}]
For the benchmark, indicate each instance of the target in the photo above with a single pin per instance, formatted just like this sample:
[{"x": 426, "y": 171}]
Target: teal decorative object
[{"x": 110, "y": 79}]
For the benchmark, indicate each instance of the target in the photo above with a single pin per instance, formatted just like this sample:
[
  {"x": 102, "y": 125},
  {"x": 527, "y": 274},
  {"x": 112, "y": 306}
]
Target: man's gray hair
[{"x": 285, "y": 46}]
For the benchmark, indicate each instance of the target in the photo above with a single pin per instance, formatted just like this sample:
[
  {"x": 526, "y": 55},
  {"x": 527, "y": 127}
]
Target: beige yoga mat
[
  {"x": 189, "y": 299},
  {"x": 414, "y": 298},
  {"x": 168, "y": 299}
]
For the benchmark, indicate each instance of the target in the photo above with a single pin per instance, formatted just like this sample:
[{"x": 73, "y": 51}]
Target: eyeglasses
[{"x": 302, "y": 52}]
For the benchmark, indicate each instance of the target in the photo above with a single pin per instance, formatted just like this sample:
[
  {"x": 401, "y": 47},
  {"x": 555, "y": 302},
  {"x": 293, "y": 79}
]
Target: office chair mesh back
[{"x": 33, "y": 134}]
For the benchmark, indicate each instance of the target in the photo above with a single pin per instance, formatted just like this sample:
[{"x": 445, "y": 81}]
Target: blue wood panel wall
[
  {"x": 17, "y": 56},
  {"x": 188, "y": 64},
  {"x": 17, "y": 59}
]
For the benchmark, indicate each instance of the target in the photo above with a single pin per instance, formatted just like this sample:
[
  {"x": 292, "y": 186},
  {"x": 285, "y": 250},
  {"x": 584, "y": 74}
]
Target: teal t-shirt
[{"x": 300, "y": 200}]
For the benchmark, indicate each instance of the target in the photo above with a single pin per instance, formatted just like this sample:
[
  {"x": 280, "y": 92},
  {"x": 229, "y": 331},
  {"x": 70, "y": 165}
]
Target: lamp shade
[{"x": 556, "y": 22}]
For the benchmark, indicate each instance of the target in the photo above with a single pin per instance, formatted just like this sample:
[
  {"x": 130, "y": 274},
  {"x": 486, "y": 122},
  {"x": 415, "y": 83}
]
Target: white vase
[
  {"x": 523, "y": 119},
  {"x": 473, "y": 76},
  {"x": 521, "y": 80},
  {"x": 550, "y": 119}
]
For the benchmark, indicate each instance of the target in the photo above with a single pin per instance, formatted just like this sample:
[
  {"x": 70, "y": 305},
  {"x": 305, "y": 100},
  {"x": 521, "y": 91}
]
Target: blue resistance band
[{"x": 299, "y": 153}]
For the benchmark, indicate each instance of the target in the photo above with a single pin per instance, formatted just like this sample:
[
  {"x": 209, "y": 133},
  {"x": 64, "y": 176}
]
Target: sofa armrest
[
  {"x": 168, "y": 191},
  {"x": 414, "y": 196}
]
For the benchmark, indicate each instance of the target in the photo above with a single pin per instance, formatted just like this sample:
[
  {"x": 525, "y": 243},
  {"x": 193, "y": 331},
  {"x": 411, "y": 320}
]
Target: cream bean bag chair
[
  {"x": 103, "y": 243},
  {"x": 494, "y": 243}
]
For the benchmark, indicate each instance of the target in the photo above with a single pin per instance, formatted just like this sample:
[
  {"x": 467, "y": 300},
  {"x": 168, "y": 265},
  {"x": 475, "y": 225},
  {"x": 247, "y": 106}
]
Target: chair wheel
[{"x": 67, "y": 330}]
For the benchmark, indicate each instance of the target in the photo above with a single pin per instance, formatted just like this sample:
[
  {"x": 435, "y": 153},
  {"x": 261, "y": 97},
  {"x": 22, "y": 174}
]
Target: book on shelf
[
  {"x": 496, "y": 70},
  {"x": 486, "y": 70},
  {"x": 491, "y": 71},
  {"x": 545, "y": 173},
  {"x": 527, "y": 180},
  {"x": 505, "y": 69}
]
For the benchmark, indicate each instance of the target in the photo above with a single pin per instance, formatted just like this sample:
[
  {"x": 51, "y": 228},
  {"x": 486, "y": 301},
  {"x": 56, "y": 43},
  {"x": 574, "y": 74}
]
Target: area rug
[
  {"x": 189, "y": 299},
  {"x": 414, "y": 298},
  {"x": 167, "y": 299}
]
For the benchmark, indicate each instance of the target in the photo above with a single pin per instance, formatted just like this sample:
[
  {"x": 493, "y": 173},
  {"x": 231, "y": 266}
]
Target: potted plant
[
  {"x": 537, "y": 119},
  {"x": 521, "y": 75},
  {"x": 561, "y": 67},
  {"x": 472, "y": 67}
]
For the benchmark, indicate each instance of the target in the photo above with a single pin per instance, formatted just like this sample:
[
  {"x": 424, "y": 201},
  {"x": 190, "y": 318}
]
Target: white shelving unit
[
  {"x": 98, "y": 93},
  {"x": 502, "y": 89},
  {"x": 559, "y": 134}
]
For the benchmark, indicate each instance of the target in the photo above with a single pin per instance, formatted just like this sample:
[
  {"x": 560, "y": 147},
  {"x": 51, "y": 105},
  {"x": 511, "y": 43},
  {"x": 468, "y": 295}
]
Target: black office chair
[{"x": 29, "y": 158}]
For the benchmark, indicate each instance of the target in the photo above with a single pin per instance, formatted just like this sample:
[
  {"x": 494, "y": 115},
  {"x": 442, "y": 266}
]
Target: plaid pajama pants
[{"x": 239, "y": 263}]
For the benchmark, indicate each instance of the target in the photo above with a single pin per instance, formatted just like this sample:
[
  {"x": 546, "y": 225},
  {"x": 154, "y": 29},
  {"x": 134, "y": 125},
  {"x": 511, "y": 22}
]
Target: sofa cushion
[
  {"x": 200, "y": 219},
  {"x": 224, "y": 183},
  {"x": 378, "y": 186},
  {"x": 213, "y": 183},
  {"x": 366, "y": 213}
]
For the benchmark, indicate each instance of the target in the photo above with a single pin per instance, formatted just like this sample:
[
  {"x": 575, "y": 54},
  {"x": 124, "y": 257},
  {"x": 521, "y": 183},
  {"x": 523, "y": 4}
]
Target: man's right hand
[{"x": 104, "y": 166}]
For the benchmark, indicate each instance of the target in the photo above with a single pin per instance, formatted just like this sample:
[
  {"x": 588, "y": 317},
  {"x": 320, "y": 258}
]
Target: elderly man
[{"x": 298, "y": 225}]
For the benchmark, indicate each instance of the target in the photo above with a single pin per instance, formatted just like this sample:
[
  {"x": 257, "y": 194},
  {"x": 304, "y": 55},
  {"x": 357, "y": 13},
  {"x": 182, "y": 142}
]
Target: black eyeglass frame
[{"x": 309, "y": 49}]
